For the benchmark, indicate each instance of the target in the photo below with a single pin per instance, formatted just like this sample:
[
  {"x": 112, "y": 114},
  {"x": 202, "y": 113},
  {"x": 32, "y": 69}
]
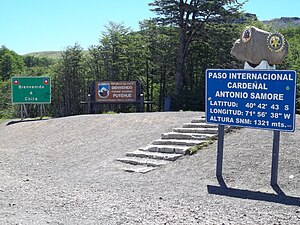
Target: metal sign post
[
  {"x": 23, "y": 111},
  {"x": 22, "y": 116},
  {"x": 220, "y": 151},
  {"x": 275, "y": 158},
  {"x": 42, "y": 110}
]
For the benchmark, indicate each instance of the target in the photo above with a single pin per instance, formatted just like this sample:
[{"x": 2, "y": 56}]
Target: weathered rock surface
[{"x": 254, "y": 48}]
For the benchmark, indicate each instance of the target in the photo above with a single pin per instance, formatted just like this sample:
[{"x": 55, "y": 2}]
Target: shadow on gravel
[
  {"x": 22, "y": 121},
  {"x": 280, "y": 197}
]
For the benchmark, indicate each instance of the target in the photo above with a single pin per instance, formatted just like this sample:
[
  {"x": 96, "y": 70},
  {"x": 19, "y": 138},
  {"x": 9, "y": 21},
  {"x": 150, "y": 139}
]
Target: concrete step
[
  {"x": 142, "y": 161},
  {"x": 199, "y": 125},
  {"x": 196, "y": 130},
  {"x": 154, "y": 155},
  {"x": 187, "y": 136},
  {"x": 199, "y": 120},
  {"x": 138, "y": 169},
  {"x": 167, "y": 149},
  {"x": 176, "y": 142}
]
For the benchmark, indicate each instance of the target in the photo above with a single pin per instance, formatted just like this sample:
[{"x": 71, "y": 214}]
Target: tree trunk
[
  {"x": 179, "y": 75},
  {"x": 185, "y": 37}
]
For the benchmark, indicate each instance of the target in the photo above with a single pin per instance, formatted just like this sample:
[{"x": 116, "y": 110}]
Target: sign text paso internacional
[
  {"x": 31, "y": 90},
  {"x": 116, "y": 91},
  {"x": 251, "y": 98}
]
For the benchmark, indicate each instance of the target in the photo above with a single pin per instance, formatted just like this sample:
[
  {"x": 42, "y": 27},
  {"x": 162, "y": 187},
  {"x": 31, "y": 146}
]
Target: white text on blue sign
[{"x": 251, "y": 98}]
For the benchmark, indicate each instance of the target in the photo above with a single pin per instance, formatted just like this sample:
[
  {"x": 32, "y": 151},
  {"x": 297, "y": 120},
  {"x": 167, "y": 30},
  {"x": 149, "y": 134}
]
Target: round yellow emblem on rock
[{"x": 276, "y": 42}]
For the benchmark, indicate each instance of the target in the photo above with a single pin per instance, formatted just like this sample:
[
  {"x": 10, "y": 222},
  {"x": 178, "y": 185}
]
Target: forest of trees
[{"x": 168, "y": 55}]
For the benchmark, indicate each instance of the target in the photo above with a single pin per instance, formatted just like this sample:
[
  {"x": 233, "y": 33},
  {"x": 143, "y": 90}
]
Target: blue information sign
[{"x": 262, "y": 99}]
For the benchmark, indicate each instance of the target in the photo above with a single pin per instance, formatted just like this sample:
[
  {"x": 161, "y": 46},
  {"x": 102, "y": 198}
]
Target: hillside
[
  {"x": 46, "y": 54},
  {"x": 282, "y": 22},
  {"x": 56, "y": 55}
]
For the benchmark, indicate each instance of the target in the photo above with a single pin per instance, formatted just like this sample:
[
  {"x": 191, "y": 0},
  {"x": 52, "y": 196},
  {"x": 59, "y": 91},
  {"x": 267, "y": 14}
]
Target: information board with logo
[
  {"x": 251, "y": 98},
  {"x": 31, "y": 90},
  {"x": 116, "y": 91}
]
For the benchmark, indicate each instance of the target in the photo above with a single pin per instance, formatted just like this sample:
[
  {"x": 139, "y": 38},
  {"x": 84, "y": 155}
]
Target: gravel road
[{"x": 63, "y": 171}]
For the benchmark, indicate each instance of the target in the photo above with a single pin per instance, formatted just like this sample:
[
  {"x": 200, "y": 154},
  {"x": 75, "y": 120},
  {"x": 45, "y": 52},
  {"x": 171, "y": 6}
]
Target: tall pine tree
[{"x": 190, "y": 17}]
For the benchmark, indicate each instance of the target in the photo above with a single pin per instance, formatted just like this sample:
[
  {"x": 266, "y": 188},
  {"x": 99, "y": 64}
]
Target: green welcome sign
[{"x": 31, "y": 90}]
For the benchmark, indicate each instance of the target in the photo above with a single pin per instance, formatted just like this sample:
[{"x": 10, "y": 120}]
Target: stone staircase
[{"x": 170, "y": 146}]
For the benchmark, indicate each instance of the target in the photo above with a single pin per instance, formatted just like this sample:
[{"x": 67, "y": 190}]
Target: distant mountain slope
[
  {"x": 56, "y": 55},
  {"x": 282, "y": 22},
  {"x": 46, "y": 54}
]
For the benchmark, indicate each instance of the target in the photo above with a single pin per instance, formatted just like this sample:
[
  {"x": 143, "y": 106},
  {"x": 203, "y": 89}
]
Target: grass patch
[
  {"x": 109, "y": 112},
  {"x": 196, "y": 148}
]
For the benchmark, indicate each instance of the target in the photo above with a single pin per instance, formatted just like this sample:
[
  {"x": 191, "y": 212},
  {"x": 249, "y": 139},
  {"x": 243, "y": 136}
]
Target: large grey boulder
[{"x": 255, "y": 45}]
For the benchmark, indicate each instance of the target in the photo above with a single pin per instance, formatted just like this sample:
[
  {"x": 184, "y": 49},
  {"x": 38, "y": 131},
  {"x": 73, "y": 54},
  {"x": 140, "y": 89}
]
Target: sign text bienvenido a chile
[
  {"x": 31, "y": 90},
  {"x": 251, "y": 98}
]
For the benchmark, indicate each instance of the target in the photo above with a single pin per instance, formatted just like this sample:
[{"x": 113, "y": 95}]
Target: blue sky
[
  {"x": 270, "y": 9},
  {"x": 52, "y": 25}
]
